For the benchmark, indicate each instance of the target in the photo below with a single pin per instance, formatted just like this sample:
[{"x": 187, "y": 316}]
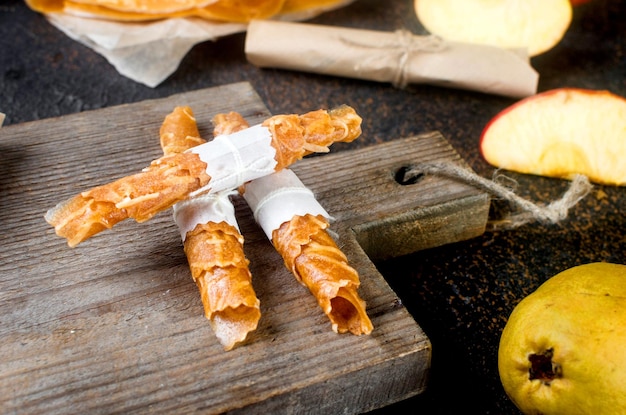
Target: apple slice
[
  {"x": 535, "y": 25},
  {"x": 560, "y": 133}
]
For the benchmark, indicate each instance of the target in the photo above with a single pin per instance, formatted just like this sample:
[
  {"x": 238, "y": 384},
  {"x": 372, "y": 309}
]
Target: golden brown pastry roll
[
  {"x": 307, "y": 248},
  {"x": 166, "y": 181},
  {"x": 175, "y": 177},
  {"x": 295, "y": 136},
  {"x": 316, "y": 261},
  {"x": 297, "y": 226},
  {"x": 214, "y": 248},
  {"x": 179, "y": 131},
  {"x": 228, "y": 123},
  {"x": 220, "y": 270}
]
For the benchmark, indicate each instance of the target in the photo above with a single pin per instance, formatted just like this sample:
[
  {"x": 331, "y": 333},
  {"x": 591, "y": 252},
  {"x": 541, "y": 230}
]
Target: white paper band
[
  {"x": 235, "y": 159},
  {"x": 277, "y": 198},
  {"x": 210, "y": 207}
]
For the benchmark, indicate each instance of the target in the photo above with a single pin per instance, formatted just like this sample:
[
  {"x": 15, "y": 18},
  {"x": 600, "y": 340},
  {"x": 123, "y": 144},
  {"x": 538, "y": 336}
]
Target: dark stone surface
[{"x": 461, "y": 294}]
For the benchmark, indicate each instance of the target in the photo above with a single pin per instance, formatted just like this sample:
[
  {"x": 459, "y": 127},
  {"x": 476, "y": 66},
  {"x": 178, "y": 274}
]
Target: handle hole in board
[{"x": 408, "y": 175}]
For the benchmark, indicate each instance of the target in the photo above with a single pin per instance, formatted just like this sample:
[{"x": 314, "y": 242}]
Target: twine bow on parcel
[{"x": 399, "y": 50}]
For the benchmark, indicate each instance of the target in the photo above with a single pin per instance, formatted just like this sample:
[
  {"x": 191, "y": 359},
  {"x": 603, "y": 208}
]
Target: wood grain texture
[{"x": 116, "y": 325}]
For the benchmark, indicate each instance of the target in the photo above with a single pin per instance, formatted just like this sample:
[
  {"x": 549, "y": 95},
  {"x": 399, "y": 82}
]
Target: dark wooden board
[{"x": 116, "y": 325}]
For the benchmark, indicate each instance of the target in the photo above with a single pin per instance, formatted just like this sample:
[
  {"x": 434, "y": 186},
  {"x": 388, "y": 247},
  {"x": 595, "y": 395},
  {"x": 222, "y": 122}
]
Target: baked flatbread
[
  {"x": 149, "y": 6},
  {"x": 240, "y": 10},
  {"x": 217, "y": 10}
]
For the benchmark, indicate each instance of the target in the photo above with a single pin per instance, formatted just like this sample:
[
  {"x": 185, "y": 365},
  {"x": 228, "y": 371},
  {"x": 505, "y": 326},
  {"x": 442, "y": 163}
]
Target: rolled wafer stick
[
  {"x": 298, "y": 228},
  {"x": 295, "y": 136},
  {"x": 214, "y": 247},
  {"x": 280, "y": 203},
  {"x": 316, "y": 261},
  {"x": 166, "y": 181},
  {"x": 214, "y": 166},
  {"x": 228, "y": 123},
  {"x": 220, "y": 269},
  {"x": 179, "y": 131}
]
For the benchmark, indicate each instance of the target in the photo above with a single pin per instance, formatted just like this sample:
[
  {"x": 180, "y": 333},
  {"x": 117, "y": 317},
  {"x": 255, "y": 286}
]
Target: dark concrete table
[{"x": 461, "y": 294}]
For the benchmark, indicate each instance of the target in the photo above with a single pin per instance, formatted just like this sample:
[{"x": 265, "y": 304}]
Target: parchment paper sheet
[
  {"x": 149, "y": 52},
  {"x": 145, "y": 52},
  {"x": 397, "y": 57}
]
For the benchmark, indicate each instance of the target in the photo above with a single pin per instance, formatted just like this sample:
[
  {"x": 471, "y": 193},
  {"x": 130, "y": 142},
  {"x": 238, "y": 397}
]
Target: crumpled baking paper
[
  {"x": 149, "y": 52},
  {"x": 145, "y": 52}
]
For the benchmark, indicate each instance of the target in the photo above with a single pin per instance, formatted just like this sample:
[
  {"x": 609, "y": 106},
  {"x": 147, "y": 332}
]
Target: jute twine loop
[{"x": 500, "y": 187}]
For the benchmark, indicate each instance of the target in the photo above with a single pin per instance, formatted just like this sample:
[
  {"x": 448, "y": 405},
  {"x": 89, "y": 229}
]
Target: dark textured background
[{"x": 460, "y": 294}]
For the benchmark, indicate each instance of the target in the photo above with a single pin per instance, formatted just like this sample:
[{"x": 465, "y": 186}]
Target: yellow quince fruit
[{"x": 563, "y": 349}]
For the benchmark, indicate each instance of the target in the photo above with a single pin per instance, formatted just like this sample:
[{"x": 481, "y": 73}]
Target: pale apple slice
[
  {"x": 534, "y": 25},
  {"x": 560, "y": 133}
]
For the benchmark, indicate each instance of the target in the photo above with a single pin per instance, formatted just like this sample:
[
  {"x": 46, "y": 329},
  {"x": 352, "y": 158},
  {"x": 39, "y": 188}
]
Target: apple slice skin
[
  {"x": 560, "y": 133},
  {"x": 534, "y": 25}
]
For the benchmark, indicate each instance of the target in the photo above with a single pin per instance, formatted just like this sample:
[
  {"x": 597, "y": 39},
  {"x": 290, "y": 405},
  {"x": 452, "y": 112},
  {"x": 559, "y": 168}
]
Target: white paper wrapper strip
[
  {"x": 203, "y": 209},
  {"x": 237, "y": 158},
  {"x": 397, "y": 57},
  {"x": 277, "y": 198}
]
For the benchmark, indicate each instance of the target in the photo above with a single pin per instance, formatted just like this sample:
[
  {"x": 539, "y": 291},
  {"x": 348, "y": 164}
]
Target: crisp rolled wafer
[
  {"x": 316, "y": 261},
  {"x": 166, "y": 181},
  {"x": 214, "y": 247},
  {"x": 303, "y": 241},
  {"x": 295, "y": 136},
  {"x": 228, "y": 123},
  {"x": 297, "y": 226},
  {"x": 179, "y": 131},
  {"x": 278, "y": 142},
  {"x": 220, "y": 269}
]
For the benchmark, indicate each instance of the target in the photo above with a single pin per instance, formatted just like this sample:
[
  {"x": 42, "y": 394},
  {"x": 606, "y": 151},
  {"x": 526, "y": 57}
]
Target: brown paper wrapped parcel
[{"x": 397, "y": 57}]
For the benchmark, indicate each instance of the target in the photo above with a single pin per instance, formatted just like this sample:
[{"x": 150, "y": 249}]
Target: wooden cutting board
[{"x": 116, "y": 325}]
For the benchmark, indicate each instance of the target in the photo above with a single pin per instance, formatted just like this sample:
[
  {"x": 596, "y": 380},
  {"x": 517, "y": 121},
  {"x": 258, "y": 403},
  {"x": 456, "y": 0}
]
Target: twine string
[
  {"x": 404, "y": 44},
  {"x": 528, "y": 211}
]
